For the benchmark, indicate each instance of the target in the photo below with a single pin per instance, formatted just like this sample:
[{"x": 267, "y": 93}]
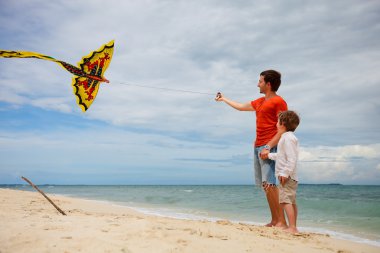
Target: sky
[{"x": 327, "y": 51}]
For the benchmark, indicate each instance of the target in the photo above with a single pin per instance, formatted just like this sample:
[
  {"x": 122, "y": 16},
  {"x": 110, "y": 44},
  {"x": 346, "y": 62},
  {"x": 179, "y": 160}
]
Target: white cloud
[
  {"x": 342, "y": 164},
  {"x": 340, "y": 153}
]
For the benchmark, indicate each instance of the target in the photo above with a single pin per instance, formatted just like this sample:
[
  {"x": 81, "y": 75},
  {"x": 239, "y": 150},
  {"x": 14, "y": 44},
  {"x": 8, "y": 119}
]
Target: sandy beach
[{"x": 29, "y": 223}]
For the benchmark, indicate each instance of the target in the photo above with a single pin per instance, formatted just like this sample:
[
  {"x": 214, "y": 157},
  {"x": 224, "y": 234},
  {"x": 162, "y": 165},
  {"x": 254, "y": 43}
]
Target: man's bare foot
[
  {"x": 270, "y": 224},
  {"x": 281, "y": 225},
  {"x": 291, "y": 230}
]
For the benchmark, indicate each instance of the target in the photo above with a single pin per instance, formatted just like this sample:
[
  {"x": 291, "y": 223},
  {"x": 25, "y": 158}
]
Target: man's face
[{"x": 263, "y": 86}]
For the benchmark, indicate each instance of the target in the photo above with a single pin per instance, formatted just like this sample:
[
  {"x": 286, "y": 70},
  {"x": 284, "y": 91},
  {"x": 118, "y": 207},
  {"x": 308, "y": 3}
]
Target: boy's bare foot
[{"x": 292, "y": 230}]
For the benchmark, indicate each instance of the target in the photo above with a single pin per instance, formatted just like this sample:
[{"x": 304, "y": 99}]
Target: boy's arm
[
  {"x": 291, "y": 152},
  {"x": 272, "y": 156},
  {"x": 235, "y": 105}
]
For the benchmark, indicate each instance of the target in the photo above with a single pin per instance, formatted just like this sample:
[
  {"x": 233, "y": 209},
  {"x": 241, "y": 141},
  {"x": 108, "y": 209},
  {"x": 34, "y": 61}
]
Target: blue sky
[{"x": 327, "y": 51}]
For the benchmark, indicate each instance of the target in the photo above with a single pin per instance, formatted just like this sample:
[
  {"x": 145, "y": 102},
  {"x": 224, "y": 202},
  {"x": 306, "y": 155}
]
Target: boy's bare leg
[
  {"x": 291, "y": 213},
  {"x": 278, "y": 218}
]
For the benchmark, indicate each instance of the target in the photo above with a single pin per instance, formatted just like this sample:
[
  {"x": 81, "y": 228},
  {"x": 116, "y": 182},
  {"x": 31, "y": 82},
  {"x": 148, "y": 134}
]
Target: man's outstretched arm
[{"x": 236, "y": 105}]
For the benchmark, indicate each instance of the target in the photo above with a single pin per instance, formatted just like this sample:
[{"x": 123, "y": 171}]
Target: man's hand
[
  {"x": 283, "y": 180},
  {"x": 219, "y": 97}
]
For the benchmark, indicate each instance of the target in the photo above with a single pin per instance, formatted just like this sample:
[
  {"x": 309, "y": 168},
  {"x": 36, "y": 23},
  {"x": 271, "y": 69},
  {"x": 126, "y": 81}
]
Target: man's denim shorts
[{"x": 264, "y": 169}]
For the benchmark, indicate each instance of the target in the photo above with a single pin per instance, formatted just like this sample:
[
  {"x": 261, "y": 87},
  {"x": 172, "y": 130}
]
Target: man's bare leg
[
  {"x": 278, "y": 218},
  {"x": 270, "y": 204}
]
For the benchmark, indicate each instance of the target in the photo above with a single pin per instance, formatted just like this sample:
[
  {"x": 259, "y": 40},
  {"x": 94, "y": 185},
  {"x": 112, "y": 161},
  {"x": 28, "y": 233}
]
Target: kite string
[{"x": 167, "y": 89}]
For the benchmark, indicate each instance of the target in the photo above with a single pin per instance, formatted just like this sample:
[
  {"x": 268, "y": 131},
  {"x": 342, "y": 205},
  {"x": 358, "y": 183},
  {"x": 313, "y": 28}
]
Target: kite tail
[{"x": 25, "y": 54}]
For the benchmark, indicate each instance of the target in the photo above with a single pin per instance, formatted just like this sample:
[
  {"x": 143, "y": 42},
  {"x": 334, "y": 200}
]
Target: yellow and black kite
[{"x": 87, "y": 76}]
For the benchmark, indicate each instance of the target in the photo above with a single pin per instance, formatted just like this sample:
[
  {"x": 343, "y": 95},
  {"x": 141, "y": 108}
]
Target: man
[{"x": 267, "y": 109}]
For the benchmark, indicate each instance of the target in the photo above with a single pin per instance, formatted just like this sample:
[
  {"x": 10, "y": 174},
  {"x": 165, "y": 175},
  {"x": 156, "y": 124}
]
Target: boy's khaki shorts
[{"x": 288, "y": 192}]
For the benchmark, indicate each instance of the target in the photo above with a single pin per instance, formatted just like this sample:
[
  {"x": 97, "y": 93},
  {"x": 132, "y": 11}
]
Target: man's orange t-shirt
[{"x": 266, "y": 118}]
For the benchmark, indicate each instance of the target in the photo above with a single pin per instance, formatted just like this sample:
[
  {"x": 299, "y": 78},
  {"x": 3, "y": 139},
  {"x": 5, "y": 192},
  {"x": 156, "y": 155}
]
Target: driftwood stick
[{"x": 43, "y": 194}]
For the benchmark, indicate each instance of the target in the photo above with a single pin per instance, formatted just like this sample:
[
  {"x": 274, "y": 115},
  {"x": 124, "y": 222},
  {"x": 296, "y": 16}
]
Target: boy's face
[{"x": 280, "y": 127}]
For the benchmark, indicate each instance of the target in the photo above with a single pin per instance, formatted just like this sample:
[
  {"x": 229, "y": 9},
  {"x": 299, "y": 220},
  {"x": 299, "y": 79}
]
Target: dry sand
[{"x": 29, "y": 223}]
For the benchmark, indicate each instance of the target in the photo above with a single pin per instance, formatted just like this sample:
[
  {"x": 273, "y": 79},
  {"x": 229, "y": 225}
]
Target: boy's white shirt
[{"x": 287, "y": 156}]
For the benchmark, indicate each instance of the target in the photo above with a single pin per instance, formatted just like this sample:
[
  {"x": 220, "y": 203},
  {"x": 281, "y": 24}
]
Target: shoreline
[
  {"x": 27, "y": 220},
  {"x": 302, "y": 229}
]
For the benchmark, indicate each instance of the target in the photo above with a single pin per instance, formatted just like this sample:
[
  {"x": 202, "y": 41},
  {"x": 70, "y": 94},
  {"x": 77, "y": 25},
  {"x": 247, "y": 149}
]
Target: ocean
[{"x": 342, "y": 211}]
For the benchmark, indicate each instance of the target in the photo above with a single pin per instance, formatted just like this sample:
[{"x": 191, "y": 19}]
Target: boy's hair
[
  {"x": 289, "y": 119},
  {"x": 272, "y": 76}
]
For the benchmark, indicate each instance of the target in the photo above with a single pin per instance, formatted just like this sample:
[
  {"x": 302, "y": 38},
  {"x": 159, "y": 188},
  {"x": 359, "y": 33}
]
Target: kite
[{"x": 87, "y": 76}]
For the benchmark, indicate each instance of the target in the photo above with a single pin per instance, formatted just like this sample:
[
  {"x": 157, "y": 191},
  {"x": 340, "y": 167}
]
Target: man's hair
[
  {"x": 272, "y": 76},
  {"x": 289, "y": 119}
]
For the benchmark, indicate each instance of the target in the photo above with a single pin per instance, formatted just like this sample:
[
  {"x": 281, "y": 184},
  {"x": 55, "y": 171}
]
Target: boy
[{"x": 286, "y": 166}]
